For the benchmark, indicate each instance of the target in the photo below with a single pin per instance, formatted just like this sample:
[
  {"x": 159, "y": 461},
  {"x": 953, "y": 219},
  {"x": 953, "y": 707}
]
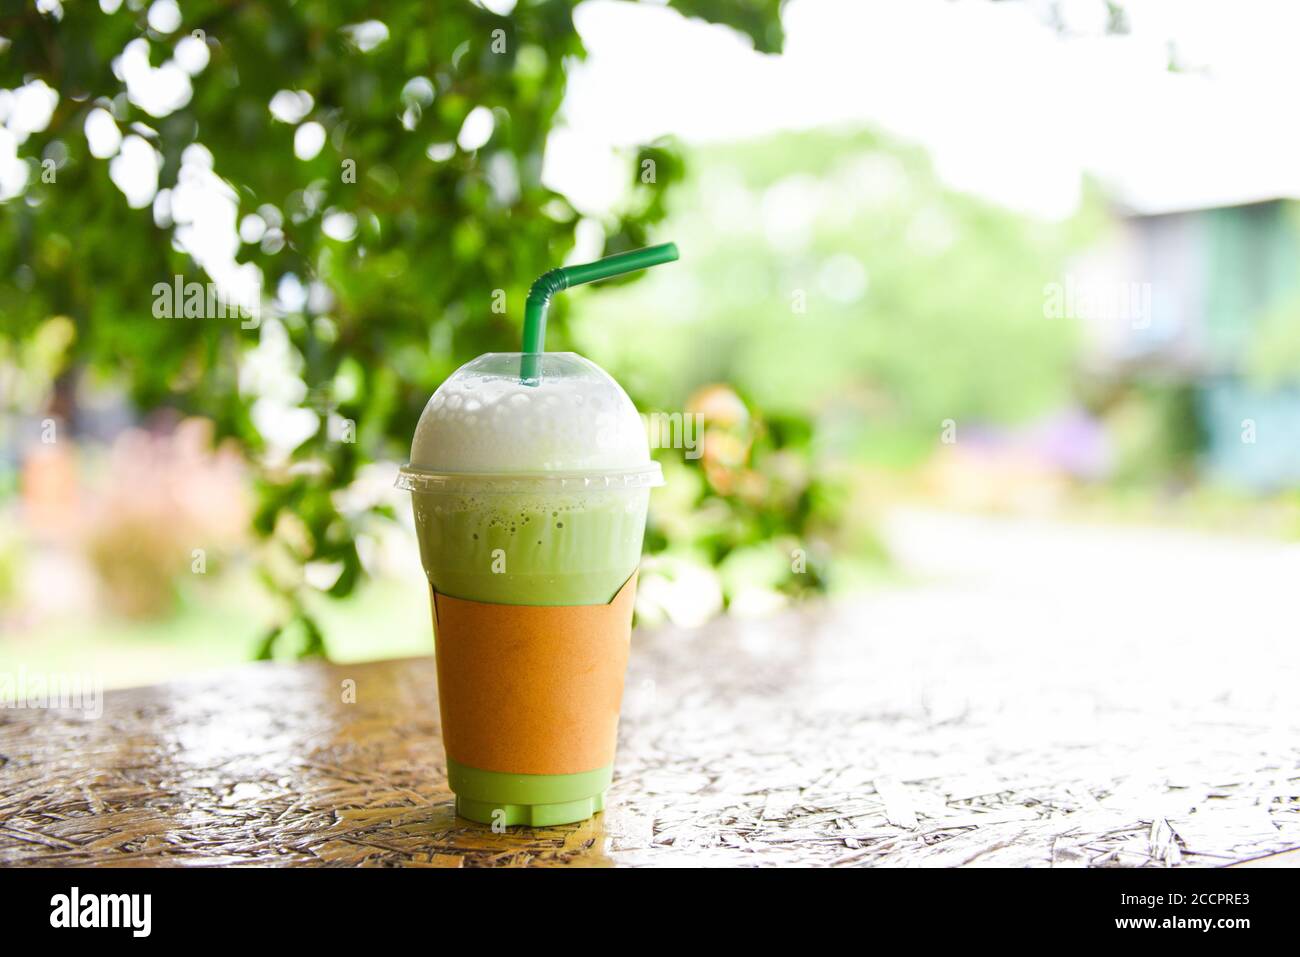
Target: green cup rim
[{"x": 414, "y": 479}]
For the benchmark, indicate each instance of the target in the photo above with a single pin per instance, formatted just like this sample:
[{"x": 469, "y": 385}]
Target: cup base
[
  {"x": 532, "y": 800},
  {"x": 530, "y": 815}
]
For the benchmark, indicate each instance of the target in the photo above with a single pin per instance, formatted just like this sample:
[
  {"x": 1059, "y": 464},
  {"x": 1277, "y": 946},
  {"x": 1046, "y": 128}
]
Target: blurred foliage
[
  {"x": 160, "y": 495},
  {"x": 753, "y": 504},
  {"x": 831, "y": 275},
  {"x": 1156, "y": 432},
  {"x": 10, "y": 566},
  {"x": 1273, "y": 355},
  {"x": 409, "y": 297}
]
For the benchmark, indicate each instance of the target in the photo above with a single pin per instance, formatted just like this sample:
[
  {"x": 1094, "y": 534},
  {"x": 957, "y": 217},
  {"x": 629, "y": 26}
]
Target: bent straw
[{"x": 557, "y": 280}]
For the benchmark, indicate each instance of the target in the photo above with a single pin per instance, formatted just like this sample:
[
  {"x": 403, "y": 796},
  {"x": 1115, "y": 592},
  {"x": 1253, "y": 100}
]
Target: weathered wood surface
[{"x": 837, "y": 735}]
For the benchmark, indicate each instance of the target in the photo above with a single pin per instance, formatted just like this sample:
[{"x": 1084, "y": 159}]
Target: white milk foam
[{"x": 482, "y": 419}]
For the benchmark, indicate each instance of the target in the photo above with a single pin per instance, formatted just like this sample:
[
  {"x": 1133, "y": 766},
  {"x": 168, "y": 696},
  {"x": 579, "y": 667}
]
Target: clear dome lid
[{"x": 576, "y": 426}]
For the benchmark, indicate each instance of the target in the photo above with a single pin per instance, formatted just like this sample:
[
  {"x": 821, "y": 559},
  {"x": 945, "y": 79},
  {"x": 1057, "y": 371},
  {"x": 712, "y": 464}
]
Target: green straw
[{"x": 557, "y": 280}]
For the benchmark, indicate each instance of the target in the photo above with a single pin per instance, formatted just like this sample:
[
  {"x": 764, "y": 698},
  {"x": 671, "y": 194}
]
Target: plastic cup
[{"x": 530, "y": 504}]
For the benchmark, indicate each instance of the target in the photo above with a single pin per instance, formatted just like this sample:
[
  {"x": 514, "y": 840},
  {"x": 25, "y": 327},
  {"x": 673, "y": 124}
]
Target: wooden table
[{"x": 815, "y": 737}]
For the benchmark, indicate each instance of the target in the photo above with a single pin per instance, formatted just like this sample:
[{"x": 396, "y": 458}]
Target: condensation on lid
[{"x": 484, "y": 419}]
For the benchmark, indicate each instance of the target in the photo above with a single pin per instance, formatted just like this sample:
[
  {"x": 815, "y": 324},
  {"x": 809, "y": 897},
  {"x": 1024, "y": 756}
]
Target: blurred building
[{"x": 1189, "y": 292}]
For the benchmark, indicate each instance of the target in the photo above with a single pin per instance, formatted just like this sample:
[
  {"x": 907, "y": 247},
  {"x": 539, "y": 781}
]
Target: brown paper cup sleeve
[{"x": 529, "y": 689}]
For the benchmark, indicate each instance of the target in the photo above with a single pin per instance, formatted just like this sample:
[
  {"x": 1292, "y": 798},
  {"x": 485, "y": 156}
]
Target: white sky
[{"x": 1007, "y": 106}]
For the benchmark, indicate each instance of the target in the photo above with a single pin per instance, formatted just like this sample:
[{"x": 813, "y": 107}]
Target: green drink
[
  {"x": 530, "y": 547},
  {"x": 530, "y": 494}
]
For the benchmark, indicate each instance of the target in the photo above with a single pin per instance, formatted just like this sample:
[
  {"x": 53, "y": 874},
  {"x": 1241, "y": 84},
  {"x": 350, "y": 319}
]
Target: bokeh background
[{"x": 967, "y": 289}]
